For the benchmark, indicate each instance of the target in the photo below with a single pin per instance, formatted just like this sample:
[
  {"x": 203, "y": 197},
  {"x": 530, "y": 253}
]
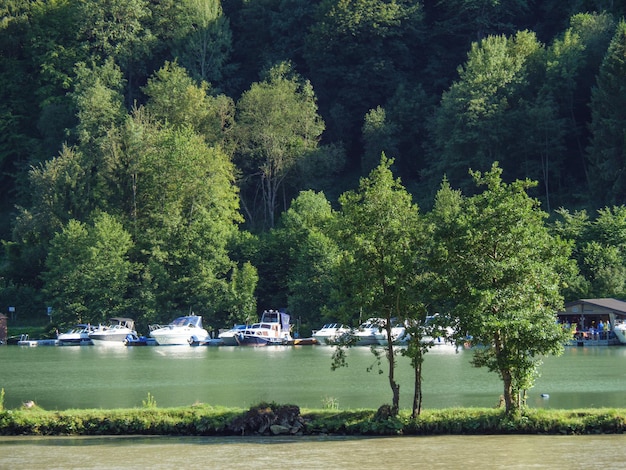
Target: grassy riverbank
[{"x": 271, "y": 419}]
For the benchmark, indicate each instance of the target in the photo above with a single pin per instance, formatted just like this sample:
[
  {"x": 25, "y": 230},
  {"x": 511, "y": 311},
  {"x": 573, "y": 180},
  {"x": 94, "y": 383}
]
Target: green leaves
[
  {"x": 277, "y": 125},
  {"x": 87, "y": 276},
  {"x": 504, "y": 268}
]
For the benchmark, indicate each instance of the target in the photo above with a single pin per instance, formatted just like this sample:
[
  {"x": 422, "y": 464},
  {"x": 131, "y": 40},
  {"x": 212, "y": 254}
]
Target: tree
[
  {"x": 276, "y": 125},
  {"x": 379, "y": 135},
  {"x": 608, "y": 124},
  {"x": 312, "y": 252},
  {"x": 118, "y": 30},
  {"x": 599, "y": 250},
  {"x": 478, "y": 120},
  {"x": 178, "y": 198},
  {"x": 87, "y": 276},
  {"x": 358, "y": 52},
  {"x": 204, "y": 40},
  {"x": 176, "y": 99},
  {"x": 379, "y": 230},
  {"x": 503, "y": 269}
]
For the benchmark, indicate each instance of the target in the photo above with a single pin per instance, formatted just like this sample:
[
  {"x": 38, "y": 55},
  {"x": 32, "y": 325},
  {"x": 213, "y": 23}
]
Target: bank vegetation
[{"x": 267, "y": 419}]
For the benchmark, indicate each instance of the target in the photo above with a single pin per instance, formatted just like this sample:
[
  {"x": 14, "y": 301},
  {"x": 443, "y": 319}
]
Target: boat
[
  {"x": 135, "y": 340},
  {"x": 114, "y": 333},
  {"x": 332, "y": 333},
  {"x": 273, "y": 329},
  {"x": 399, "y": 336},
  {"x": 365, "y": 335},
  {"x": 619, "y": 330},
  {"x": 228, "y": 336},
  {"x": 182, "y": 330},
  {"x": 77, "y": 336}
]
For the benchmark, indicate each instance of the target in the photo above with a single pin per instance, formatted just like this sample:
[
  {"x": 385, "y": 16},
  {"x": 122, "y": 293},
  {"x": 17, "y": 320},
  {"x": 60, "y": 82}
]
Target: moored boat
[
  {"x": 114, "y": 333},
  {"x": 228, "y": 337},
  {"x": 619, "y": 330},
  {"x": 77, "y": 336},
  {"x": 399, "y": 336},
  {"x": 182, "y": 330},
  {"x": 365, "y": 335},
  {"x": 331, "y": 333},
  {"x": 135, "y": 340},
  {"x": 273, "y": 329}
]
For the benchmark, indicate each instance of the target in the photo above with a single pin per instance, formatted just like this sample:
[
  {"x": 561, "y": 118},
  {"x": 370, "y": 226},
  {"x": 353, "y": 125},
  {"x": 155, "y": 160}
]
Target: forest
[{"x": 166, "y": 156}]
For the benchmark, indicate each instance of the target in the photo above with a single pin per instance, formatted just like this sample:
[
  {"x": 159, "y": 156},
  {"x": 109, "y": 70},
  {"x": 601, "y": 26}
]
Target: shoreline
[{"x": 270, "y": 419}]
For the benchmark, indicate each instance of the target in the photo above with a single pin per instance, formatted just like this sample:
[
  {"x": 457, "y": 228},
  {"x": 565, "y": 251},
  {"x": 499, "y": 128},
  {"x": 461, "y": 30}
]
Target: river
[
  {"x": 58, "y": 378},
  {"x": 97, "y": 377},
  {"x": 324, "y": 453}
]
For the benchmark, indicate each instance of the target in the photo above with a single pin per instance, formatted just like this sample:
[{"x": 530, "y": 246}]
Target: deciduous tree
[
  {"x": 380, "y": 232},
  {"x": 503, "y": 269}
]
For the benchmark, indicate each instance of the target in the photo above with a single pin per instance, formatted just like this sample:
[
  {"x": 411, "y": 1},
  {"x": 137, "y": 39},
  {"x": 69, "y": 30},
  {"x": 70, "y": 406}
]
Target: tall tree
[
  {"x": 177, "y": 197},
  {"x": 87, "y": 276},
  {"x": 503, "y": 269},
  {"x": 608, "y": 124},
  {"x": 477, "y": 121},
  {"x": 175, "y": 98},
  {"x": 276, "y": 125},
  {"x": 204, "y": 39},
  {"x": 379, "y": 229}
]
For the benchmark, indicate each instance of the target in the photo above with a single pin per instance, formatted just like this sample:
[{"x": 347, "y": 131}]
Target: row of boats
[{"x": 274, "y": 328}]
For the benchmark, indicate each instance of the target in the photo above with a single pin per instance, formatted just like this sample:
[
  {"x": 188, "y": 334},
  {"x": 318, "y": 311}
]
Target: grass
[{"x": 217, "y": 421}]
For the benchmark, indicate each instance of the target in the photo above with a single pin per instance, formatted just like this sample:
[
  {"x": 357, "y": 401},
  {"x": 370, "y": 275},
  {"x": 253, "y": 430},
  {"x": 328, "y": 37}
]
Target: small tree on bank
[
  {"x": 502, "y": 268},
  {"x": 379, "y": 229}
]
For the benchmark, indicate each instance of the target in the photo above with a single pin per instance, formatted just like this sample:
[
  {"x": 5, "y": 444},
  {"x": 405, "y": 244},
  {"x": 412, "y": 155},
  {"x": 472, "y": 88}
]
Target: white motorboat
[
  {"x": 365, "y": 335},
  {"x": 331, "y": 333},
  {"x": 399, "y": 336},
  {"x": 620, "y": 332},
  {"x": 114, "y": 333},
  {"x": 182, "y": 330},
  {"x": 273, "y": 329},
  {"x": 228, "y": 337},
  {"x": 77, "y": 336}
]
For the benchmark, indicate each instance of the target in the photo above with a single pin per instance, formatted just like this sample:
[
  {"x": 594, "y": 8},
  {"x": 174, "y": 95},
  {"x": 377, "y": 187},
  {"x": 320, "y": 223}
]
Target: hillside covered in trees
[{"x": 161, "y": 156}]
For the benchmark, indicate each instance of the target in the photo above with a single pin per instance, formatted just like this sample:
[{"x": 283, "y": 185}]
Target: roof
[{"x": 618, "y": 306}]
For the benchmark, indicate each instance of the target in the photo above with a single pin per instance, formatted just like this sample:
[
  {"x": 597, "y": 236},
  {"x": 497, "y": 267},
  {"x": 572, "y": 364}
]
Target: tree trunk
[
  {"x": 418, "y": 360},
  {"x": 395, "y": 387},
  {"x": 509, "y": 401}
]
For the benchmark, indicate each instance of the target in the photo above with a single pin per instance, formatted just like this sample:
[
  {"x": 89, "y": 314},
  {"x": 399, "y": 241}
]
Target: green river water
[{"x": 112, "y": 377}]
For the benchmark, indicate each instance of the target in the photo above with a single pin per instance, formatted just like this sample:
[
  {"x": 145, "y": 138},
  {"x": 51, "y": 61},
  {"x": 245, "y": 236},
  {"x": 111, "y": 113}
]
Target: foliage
[
  {"x": 213, "y": 421},
  {"x": 380, "y": 234},
  {"x": 277, "y": 125},
  {"x": 608, "y": 142},
  {"x": 88, "y": 271},
  {"x": 149, "y": 402},
  {"x": 503, "y": 267},
  {"x": 598, "y": 249}
]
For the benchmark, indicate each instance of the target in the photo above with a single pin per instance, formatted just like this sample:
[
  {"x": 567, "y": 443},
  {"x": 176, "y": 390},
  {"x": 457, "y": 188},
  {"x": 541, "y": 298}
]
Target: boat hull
[
  {"x": 178, "y": 338},
  {"x": 254, "y": 340},
  {"x": 75, "y": 341},
  {"x": 110, "y": 337},
  {"x": 620, "y": 333}
]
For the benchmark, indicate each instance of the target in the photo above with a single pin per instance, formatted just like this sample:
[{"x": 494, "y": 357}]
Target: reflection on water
[
  {"x": 450, "y": 452},
  {"x": 121, "y": 377}
]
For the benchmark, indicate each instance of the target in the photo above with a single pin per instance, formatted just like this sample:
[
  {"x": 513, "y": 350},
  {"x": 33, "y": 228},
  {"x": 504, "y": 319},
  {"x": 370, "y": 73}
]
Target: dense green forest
[{"x": 166, "y": 156}]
